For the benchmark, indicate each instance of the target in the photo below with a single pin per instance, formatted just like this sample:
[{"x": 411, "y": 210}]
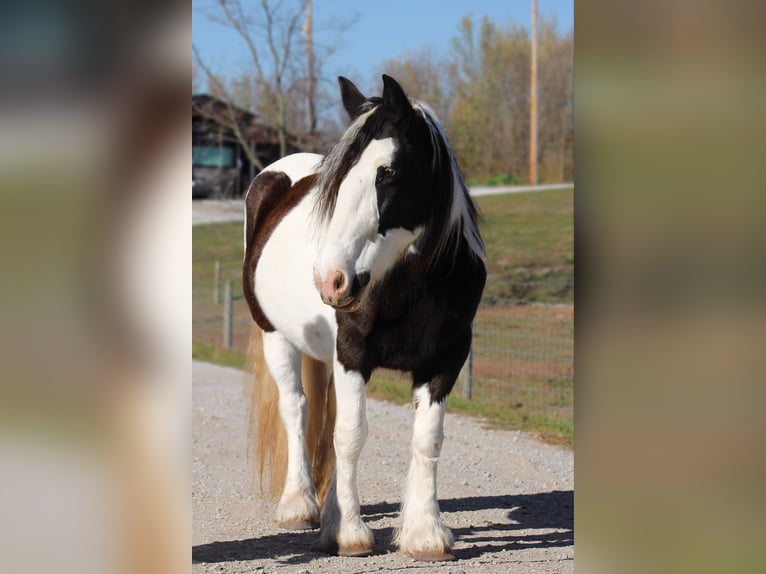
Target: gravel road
[
  {"x": 217, "y": 210},
  {"x": 507, "y": 497}
]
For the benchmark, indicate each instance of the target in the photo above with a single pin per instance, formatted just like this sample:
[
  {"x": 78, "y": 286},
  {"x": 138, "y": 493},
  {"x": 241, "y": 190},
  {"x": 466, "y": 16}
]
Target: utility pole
[
  {"x": 533, "y": 102},
  {"x": 308, "y": 32}
]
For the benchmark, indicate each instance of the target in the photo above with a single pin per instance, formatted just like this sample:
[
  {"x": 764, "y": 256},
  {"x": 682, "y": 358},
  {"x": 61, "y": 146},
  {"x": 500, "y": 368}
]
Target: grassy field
[
  {"x": 523, "y": 364},
  {"x": 530, "y": 246}
]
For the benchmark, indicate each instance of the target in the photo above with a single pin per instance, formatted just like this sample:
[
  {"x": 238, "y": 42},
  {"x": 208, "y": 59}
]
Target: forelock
[{"x": 342, "y": 158}]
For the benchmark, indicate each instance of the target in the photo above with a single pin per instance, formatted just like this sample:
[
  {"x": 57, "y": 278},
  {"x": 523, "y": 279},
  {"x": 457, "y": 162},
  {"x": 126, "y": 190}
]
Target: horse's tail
[
  {"x": 267, "y": 434},
  {"x": 319, "y": 387}
]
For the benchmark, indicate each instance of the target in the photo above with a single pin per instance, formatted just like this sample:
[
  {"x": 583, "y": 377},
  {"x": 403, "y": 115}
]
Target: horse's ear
[
  {"x": 395, "y": 101},
  {"x": 351, "y": 96}
]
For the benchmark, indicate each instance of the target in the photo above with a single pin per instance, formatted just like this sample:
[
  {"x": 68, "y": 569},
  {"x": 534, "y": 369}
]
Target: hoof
[
  {"x": 432, "y": 556},
  {"x": 351, "y": 551},
  {"x": 357, "y": 551},
  {"x": 298, "y": 524}
]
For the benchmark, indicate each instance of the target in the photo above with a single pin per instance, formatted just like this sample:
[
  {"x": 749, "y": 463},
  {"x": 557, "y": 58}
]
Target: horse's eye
[{"x": 385, "y": 174}]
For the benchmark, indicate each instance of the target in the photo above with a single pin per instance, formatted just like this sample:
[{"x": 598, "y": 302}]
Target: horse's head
[{"x": 382, "y": 188}]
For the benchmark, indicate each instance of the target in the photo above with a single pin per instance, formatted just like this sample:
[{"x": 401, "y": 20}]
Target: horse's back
[
  {"x": 279, "y": 253},
  {"x": 296, "y": 166}
]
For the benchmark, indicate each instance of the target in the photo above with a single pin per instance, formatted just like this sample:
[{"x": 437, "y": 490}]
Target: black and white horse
[{"x": 368, "y": 257}]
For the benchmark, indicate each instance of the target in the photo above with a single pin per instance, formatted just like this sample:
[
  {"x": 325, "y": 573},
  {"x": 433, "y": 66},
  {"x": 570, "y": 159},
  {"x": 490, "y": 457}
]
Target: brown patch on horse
[{"x": 270, "y": 197}]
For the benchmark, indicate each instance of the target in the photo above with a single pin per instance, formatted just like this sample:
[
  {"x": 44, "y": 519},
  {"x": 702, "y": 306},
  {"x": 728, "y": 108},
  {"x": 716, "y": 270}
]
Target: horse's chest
[
  {"x": 409, "y": 330},
  {"x": 407, "y": 340},
  {"x": 409, "y": 333}
]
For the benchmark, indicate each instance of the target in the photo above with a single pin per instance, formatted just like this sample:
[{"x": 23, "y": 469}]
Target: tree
[
  {"x": 423, "y": 76},
  {"x": 556, "y": 105},
  {"x": 489, "y": 121},
  {"x": 279, "y": 83},
  {"x": 195, "y": 78},
  {"x": 271, "y": 37}
]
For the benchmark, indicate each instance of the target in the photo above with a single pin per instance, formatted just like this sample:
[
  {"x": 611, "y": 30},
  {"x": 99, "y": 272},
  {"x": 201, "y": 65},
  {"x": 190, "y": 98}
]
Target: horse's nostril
[
  {"x": 339, "y": 281},
  {"x": 359, "y": 282},
  {"x": 363, "y": 278}
]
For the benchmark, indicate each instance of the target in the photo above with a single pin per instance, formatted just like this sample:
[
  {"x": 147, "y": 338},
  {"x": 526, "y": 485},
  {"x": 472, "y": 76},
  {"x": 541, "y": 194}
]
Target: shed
[{"x": 221, "y": 166}]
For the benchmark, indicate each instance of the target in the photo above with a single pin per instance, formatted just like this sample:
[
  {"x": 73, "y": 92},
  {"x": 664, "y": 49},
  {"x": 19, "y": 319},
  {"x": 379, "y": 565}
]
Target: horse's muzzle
[{"x": 338, "y": 292}]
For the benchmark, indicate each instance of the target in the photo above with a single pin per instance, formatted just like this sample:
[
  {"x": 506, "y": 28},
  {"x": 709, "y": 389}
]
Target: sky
[{"x": 382, "y": 30}]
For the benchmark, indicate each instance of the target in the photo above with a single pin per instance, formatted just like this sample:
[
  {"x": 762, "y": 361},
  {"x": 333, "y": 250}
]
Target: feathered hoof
[
  {"x": 428, "y": 556},
  {"x": 298, "y": 524},
  {"x": 298, "y": 511}
]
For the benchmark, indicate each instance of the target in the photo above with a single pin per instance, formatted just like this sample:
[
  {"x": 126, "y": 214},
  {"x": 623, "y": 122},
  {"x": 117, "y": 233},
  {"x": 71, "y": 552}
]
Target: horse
[{"x": 369, "y": 257}]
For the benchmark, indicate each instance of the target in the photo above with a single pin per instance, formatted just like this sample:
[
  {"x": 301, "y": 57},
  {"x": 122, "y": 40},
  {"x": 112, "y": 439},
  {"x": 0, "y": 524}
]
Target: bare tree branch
[
  {"x": 276, "y": 82},
  {"x": 231, "y": 120}
]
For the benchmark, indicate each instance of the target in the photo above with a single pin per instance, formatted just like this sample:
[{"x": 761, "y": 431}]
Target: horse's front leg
[
  {"x": 298, "y": 507},
  {"x": 422, "y": 534},
  {"x": 343, "y": 530}
]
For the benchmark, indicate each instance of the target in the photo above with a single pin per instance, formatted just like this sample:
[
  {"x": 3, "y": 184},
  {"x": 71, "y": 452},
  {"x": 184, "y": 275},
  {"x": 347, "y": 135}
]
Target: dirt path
[{"x": 508, "y": 498}]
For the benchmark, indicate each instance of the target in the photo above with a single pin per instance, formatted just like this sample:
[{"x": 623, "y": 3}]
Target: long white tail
[{"x": 267, "y": 435}]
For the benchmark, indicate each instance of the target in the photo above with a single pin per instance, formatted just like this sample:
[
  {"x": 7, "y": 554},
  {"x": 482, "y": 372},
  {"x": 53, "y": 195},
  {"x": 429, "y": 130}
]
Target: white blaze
[{"x": 351, "y": 242}]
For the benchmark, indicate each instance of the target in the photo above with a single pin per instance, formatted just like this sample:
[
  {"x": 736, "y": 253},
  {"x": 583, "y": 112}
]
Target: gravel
[
  {"x": 507, "y": 497},
  {"x": 217, "y": 210}
]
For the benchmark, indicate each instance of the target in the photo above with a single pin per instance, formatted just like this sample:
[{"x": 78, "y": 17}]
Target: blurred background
[
  {"x": 97, "y": 253},
  {"x": 670, "y": 321},
  {"x": 95, "y": 307}
]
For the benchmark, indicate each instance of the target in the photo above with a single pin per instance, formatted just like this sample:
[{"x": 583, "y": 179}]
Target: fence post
[
  {"x": 216, "y": 282},
  {"x": 227, "y": 315},
  {"x": 466, "y": 374}
]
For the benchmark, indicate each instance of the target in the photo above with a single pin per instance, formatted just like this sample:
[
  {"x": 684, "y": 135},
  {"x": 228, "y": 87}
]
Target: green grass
[
  {"x": 211, "y": 354},
  {"x": 530, "y": 249},
  {"x": 529, "y": 239},
  {"x": 497, "y": 180},
  {"x": 392, "y": 387},
  {"x": 216, "y": 242},
  {"x": 530, "y": 246}
]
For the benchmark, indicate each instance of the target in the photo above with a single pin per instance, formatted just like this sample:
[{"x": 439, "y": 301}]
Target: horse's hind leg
[
  {"x": 422, "y": 534},
  {"x": 343, "y": 531},
  {"x": 298, "y": 507}
]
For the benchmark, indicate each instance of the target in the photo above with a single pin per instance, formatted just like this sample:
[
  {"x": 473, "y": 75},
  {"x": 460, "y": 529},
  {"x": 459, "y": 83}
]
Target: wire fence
[{"x": 522, "y": 356}]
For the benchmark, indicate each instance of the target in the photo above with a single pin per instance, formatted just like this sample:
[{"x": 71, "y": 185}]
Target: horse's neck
[{"x": 413, "y": 279}]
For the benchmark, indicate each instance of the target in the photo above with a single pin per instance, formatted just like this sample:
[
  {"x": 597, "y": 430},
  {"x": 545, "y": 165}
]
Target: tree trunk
[{"x": 312, "y": 120}]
